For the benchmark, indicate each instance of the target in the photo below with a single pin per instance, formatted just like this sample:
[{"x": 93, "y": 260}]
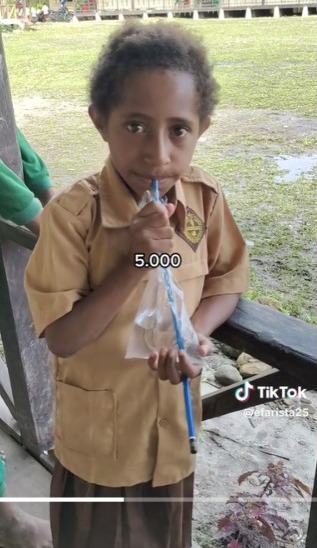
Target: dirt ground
[
  {"x": 225, "y": 121},
  {"x": 264, "y": 123},
  {"x": 231, "y": 130},
  {"x": 235, "y": 444}
]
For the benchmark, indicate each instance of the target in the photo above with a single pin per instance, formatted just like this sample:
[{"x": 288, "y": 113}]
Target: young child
[
  {"x": 120, "y": 425},
  {"x": 21, "y": 202}
]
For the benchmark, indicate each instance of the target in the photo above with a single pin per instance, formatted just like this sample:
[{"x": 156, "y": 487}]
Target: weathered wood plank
[
  {"x": 5, "y": 388},
  {"x": 275, "y": 338},
  {"x": 8, "y": 424},
  {"x": 17, "y": 234},
  {"x": 9, "y": 150}
]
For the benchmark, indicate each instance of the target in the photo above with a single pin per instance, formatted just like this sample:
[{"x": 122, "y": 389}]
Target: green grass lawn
[
  {"x": 262, "y": 63},
  {"x": 268, "y": 102}
]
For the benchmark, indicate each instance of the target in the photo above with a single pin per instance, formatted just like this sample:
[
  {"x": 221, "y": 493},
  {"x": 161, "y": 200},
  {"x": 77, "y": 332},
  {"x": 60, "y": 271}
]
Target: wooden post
[
  {"x": 26, "y": 357},
  {"x": 9, "y": 150}
]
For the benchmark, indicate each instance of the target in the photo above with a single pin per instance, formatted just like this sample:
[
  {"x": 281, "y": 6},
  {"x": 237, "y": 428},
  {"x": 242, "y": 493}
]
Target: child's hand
[
  {"x": 150, "y": 230},
  {"x": 172, "y": 365}
]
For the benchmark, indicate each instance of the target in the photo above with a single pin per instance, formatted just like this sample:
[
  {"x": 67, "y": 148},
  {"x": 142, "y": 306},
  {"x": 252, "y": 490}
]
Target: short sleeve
[
  {"x": 227, "y": 253},
  {"x": 36, "y": 175},
  {"x": 56, "y": 275},
  {"x": 17, "y": 202}
]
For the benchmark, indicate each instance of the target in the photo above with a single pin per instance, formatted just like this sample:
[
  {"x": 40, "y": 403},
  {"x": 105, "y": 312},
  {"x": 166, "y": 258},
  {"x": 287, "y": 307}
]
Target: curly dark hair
[{"x": 137, "y": 46}]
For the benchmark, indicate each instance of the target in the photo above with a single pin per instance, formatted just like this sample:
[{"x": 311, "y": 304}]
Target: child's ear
[
  {"x": 204, "y": 124},
  {"x": 98, "y": 121}
]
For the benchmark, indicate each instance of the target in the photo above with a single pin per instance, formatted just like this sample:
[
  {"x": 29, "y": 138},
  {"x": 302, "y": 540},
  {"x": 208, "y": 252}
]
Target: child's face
[{"x": 152, "y": 133}]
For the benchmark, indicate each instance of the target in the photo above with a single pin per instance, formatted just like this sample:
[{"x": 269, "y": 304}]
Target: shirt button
[{"x": 163, "y": 423}]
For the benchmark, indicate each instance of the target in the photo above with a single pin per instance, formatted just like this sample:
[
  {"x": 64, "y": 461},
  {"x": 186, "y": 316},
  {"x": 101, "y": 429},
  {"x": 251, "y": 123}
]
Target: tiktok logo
[
  {"x": 268, "y": 392},
  {"x": 243, "y": 393}
]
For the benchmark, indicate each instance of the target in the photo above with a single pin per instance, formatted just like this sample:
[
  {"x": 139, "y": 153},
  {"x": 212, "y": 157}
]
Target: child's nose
[{"x": 157, "y": 151}]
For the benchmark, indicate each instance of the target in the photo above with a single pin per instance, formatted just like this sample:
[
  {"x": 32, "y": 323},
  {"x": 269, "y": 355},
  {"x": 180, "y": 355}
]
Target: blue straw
[
  {"x": 155, "y": 190},
  {"x": 179, "y": 341}
]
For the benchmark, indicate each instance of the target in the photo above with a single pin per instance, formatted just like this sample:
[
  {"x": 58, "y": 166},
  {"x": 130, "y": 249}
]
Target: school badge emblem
[{"x": 194, "y": 229}]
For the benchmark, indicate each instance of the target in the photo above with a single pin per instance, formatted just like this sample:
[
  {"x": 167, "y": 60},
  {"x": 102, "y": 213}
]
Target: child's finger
[
  {"x": 204, "y": 350},
  {"x": 187, "y": 368},
  {"x": 172, "y": 367},
  {"x": 205, "y": 346},
  {"x": 170, "y": 209},
  {"x": 153, "y": 361},
  {"x": 161, "y": 368},
  {"x": 153, "y": 213}
]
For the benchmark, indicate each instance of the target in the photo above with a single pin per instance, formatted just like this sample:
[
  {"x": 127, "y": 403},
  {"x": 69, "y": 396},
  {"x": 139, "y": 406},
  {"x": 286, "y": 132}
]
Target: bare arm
[
  {"x": 44, "y": 197},
  {"x": 34, "y": 225},
  {"x": 213, "y": 312}
]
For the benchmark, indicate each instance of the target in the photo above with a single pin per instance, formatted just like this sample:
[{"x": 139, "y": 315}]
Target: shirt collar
[
  {"x": 176, "y": 196},
  {"x": 118, "y": 206}
]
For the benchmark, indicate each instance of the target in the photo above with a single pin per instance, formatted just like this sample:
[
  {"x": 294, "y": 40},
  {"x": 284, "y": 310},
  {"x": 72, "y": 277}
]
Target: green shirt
[{"x": 18, "y": 199}]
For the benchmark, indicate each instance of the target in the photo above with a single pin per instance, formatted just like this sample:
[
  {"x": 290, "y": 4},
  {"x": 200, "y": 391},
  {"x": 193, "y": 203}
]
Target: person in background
[
  {"x": 33, "y": 14},
  {"x": 21, "y": 202},
  {"x": 17, "y": 528},
  {"x": 45, "y": 11}
]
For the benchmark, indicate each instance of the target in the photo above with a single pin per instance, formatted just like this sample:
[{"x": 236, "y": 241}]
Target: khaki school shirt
[{"x": 116, "y": 423}]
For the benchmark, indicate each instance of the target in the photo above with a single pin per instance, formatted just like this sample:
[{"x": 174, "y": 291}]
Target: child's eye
[
  {"x": 180, "y": 131},
  {"x": 135, "y": 127}
]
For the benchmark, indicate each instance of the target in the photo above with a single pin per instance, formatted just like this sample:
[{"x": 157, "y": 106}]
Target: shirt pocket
[{"x": 86, "y": 420}]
